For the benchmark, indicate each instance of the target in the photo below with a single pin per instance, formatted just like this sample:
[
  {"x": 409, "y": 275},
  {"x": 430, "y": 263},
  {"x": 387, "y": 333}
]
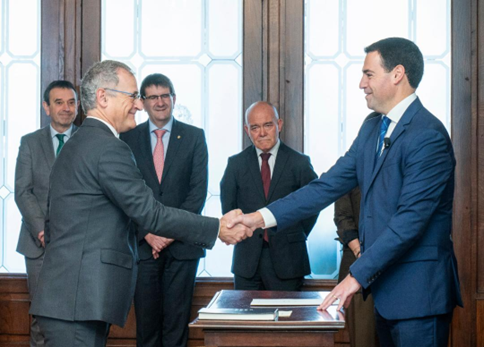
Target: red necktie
[
  {"x": 159, "y": 154},
  {"x": 265, "y": 172}
]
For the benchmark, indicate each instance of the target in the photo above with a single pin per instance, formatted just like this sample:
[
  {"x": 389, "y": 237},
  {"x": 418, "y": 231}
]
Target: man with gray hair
[
  {"x": 260, "y": 174},
  {"x": 89, "y": 274}
]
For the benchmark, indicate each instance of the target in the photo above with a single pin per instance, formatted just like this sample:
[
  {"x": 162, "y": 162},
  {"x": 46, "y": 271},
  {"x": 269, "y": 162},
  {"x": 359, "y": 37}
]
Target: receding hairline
[{"x": 275, "y": 114}]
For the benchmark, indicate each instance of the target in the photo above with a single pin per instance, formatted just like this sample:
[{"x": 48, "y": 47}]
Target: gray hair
[
  {"x": 101, "y": 75},
  {"x": 276, "y": 114}
]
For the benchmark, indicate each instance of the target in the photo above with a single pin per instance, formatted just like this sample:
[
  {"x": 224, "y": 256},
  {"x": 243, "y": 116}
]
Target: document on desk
[
  {"x": 286, "y": 302},
  {"x": 292, "y": 301}
]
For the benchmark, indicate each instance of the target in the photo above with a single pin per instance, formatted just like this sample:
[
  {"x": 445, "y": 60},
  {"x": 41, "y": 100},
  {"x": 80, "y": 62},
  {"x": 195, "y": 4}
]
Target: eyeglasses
[
  {"x": 134, "y": 96},
  {"x": 155, "y": 97}
]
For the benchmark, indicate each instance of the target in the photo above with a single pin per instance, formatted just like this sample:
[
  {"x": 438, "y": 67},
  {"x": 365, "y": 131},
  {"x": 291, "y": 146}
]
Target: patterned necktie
[
  {"x": 383, "y": 130},
  {"x": 265, "y": 172},
  {"x": 159, "y": 154},
  {"x": 60, "y": 137}
]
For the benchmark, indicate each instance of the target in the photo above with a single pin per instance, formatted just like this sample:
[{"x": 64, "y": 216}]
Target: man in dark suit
[
  {"x": 36, "y": 156},
  {"x": 269, "y": 260},
  {"x": 404, "y": 164},
  {"x": 96, "y": 193},
  {"x": 167, "y": 270}
]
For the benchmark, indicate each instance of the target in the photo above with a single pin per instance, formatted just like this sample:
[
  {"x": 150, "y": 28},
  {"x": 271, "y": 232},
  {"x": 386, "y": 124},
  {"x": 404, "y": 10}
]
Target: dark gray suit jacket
[
  {"x": 90, "y": 265},
  {"x": 184, "y": 181},
  {"x": 241, "y": 187},
  {"x": 34, "y": 163}
]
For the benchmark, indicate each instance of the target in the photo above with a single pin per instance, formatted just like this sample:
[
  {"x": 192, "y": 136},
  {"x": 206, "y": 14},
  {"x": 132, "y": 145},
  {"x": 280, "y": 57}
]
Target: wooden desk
[{"x": 306, "y": 327}]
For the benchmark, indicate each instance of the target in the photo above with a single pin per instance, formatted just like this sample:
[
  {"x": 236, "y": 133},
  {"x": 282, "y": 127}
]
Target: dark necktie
[
  {"x": 265, "y": 172},
  {"x": 60, "y": 137},
  {"x": 383, "y": 130}
]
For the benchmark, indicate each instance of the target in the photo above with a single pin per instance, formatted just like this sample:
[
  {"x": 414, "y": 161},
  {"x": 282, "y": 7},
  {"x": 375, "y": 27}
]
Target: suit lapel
[
  {"x": 397, "y": 132},
  {"x": 254, "y": 168},
  {"x": 47, "y": 146},
  {"x": 279, "y": 166},
  {"x": 176, "y": 138}
]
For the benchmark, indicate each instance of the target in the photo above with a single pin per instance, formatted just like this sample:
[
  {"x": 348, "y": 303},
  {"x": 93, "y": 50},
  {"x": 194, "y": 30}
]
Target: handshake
[{"x": 236, "y": 226}]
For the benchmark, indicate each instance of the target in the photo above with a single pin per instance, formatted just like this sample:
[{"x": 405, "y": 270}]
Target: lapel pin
[{"x": 178, "y": 137}]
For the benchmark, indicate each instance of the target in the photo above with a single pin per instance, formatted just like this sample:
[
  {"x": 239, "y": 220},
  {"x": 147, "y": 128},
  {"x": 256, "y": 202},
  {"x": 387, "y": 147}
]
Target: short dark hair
[
  {"x": 399, "y": 51},
  {"x": 58, "y": 84},
  {"x": 156, "y": 79}
]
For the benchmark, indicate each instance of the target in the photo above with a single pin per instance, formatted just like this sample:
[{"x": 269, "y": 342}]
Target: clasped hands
[{"x": 236, "y": 226}]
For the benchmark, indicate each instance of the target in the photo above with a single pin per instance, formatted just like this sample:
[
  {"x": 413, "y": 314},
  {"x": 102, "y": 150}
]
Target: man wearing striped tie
[{"x": 36, "y": 156}]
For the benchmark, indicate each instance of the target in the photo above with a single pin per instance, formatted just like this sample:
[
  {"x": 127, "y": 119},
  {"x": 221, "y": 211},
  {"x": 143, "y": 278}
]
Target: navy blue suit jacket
[{"x": 405, "y": 224}]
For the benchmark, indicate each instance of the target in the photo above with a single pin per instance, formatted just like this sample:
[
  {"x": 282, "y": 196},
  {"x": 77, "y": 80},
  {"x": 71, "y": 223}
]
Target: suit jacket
[
  {"x": 346, "y": 218},
  {"x": 405, "y": 218},
  {"x": 90, "y": 265},
  {"x": 185, "y": 177},
  {"x": 241, "y": 187},
  {"x": 34, "y": 163}
]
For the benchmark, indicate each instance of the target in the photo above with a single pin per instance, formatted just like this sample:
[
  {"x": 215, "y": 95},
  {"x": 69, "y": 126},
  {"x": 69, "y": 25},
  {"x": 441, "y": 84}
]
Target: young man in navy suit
[
  {"x": 167, "y": 268},
  {"x": 403, "y": 162}
]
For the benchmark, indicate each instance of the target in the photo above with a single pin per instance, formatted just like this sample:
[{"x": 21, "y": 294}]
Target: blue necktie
[{"x": 383, "y": 130}]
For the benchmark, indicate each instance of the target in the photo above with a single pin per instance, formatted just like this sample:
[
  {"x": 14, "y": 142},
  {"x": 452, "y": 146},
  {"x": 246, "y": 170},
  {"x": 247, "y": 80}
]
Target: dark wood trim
[
  {"x": 61, "y": 44},
  {"x": 464, "y": 138},
  {"x": 252, "y": 62},
  {"x": 292, "y": 74}
]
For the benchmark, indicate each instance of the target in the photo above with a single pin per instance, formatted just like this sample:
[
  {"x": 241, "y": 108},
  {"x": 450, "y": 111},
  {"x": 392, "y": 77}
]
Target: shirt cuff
[{"x": 268, "y": 217}]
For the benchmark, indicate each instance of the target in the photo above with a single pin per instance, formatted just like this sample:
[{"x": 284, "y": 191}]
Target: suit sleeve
[
  {"x": 228, "y": 188},
  {"x": 197, "y": 195},
  {"x": 121, "y": 181},
  {"x": 27, "y": 203},
  {"x": 345, "y": 220},
  {"x": 319, "y": 193},
  {"x": 427, "y": 172},
  {"x": 307, "y": 175}
]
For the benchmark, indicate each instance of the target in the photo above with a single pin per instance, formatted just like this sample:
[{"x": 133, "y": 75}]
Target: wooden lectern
[{"x": 306, "y": 327}]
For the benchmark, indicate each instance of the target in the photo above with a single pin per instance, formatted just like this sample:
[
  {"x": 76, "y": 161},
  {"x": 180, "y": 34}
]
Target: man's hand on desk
[
  {"x": 343, "y": 291},
  {"x": 250, "y": 220},
  {"x": 233, "y": 232}
]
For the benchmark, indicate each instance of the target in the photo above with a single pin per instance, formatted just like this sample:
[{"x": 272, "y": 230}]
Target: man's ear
[
  {"x": 398, "y": 74},
  {"x": 246, "y": 128},
  {"x": 46, "y": 108},
  {"x": 102, "y": 98}
]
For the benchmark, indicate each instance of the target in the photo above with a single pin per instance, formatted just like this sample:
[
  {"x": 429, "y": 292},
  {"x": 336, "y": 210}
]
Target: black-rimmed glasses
[{"x": 155, "y": 97}]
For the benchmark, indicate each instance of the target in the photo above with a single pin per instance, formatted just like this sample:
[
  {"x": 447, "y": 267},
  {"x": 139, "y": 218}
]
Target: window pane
[
  {"x": 171, "y": 28},
  {"x": 198, "y": 45},
  {"x": 335, "y": 106},
  {"x": 19, "y": 112}
]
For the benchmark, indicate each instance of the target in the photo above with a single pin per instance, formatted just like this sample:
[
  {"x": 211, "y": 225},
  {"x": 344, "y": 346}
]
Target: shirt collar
[
  {"x": 115, "y": 133},
  {"x": 397, "y": 112},
  {"x": 54, "y": 132},
  {"x": 168, "y": 126},
  {"x": 273, "y": 151}
]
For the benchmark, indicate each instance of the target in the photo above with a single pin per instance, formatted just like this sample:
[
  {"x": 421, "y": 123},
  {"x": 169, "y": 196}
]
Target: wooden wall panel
[
  {"x": 14, "y": 306},
  {"x": 464, "y": 140}
]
